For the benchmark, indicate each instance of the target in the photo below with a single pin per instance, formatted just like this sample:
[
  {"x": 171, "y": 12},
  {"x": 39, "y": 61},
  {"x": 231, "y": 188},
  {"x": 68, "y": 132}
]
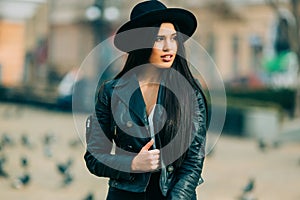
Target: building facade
[{"x": 60, "y": 34}]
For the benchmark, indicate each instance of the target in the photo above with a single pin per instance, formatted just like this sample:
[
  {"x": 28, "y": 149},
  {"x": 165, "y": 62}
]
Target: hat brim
[{"x": 184, "y": 19}]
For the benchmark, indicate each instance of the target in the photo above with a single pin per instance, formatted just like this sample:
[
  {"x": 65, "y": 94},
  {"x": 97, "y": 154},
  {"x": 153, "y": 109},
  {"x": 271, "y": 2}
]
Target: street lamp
[
  {"x": 93, "y": 13},
  {"x": 100, "y": 18},
  {"x": 111, "y": 13}
]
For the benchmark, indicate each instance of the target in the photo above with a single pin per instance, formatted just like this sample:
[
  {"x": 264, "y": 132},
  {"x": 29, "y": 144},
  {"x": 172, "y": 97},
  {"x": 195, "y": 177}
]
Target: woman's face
[{"x": 165, "y": 46}]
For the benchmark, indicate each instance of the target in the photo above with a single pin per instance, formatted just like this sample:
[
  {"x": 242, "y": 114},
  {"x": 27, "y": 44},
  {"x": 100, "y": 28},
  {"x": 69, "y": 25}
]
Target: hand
[{"x": 146, "y": 160}]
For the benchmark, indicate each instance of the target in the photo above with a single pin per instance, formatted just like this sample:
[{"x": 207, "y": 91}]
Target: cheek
[
  {"x": 154, "y": 55},
  {"x": 158, "y": 46},
  {"x": 175, "y": 47}
]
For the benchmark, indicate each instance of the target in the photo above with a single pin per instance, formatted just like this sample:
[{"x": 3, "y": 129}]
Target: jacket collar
[{"x": 127, "y": 89}]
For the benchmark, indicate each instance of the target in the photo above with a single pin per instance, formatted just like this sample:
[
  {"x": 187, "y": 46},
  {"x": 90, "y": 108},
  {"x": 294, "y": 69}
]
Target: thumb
[{"x": 148, "y": 145}]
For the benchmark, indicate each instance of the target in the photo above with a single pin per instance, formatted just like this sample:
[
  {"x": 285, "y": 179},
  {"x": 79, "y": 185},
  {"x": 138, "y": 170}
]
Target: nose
[{"x": 167, "y": 45}]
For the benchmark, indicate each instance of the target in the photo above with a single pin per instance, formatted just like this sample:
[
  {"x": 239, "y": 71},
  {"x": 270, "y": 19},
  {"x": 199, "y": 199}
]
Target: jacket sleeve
[
  {"x": 188, "y": 176},
  {"x": 99, "y": 139}
]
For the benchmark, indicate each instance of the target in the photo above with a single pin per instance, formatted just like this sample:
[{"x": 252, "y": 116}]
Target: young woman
[{"x": 153, "y": 110}]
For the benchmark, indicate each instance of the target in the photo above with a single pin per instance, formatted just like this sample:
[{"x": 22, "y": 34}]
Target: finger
[
  {"x": 155, "y": 162},
  {"x": 148, "y": 145},
  {"x": 155, "y": 157},
  {"x": 154, "y": 167},
  {"x": 155, "y": 152}
]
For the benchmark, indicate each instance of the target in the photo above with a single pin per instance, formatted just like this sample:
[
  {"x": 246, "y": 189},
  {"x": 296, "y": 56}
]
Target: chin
[{"x": 164, "y": 65}]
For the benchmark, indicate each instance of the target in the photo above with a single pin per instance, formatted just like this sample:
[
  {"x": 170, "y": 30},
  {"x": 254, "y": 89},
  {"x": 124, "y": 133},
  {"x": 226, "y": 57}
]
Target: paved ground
[{"x": 228, "y": 168}]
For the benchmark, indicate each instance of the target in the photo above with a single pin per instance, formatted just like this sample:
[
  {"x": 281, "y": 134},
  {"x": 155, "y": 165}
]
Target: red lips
[{"x": 167, "y": 57}]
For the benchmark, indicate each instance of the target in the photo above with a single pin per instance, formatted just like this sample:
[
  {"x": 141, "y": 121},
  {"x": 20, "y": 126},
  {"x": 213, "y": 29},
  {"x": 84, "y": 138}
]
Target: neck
[{"x": 149, "y": 73}]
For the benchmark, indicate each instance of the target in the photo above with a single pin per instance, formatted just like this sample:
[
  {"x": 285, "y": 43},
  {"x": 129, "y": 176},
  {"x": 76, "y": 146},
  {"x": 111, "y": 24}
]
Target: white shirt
[{"x": 151, "y": 126}]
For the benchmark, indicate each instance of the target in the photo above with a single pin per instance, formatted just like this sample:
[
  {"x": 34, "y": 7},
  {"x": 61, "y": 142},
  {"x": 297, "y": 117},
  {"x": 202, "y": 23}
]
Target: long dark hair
[{"x": 179, "y": 119}]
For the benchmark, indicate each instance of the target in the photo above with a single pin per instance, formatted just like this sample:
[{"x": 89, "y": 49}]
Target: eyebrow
[{"x": 173, "y": 34}]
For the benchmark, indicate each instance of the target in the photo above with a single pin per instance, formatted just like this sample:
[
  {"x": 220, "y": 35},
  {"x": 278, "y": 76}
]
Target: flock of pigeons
[
  {"x": 24, "y": 170},
  {"x": 63, "y": 168}
]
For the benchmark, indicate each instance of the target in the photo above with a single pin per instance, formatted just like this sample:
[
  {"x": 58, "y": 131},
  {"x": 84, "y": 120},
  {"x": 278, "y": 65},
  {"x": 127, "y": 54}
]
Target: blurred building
[
  {"x": 23, "y": 31},
  {"x": 42, "y": 40}
]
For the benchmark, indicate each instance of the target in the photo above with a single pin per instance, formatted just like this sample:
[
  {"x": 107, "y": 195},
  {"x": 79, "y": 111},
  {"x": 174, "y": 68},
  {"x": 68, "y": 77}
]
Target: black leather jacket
[{"x": 175, "y": 182}]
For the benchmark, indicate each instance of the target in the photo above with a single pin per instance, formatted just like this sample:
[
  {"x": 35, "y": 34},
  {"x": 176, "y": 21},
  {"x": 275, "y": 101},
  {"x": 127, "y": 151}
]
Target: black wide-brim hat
[{"x": 148, "y": 14}]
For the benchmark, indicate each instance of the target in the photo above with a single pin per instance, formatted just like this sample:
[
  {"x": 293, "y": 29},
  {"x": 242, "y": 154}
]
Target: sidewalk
[
  {"x": 226, "y": 170},
  {"x": 290, "y": 131}
]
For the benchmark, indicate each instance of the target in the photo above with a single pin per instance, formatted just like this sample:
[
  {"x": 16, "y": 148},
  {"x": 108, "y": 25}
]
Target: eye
[
  {"x": 174, "y": 37},
  {"x": 159, "y": 38}
]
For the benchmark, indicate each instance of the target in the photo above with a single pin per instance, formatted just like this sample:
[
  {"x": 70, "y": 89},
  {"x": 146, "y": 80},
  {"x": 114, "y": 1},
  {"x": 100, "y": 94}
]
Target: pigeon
[
  {"x": 68, "y": 179},
  {"x": 262, "y": 145},
  {"x": 48, "y": 138},
  {"x": 48, "y": 151},
  {"x": 248, "y": 191},
  {"x": 24, "y": 162},
  {"x": 249, "y": 187},
  {"x": 25, "y": 179},
  {"x": 26, "y": 141},
  {"x": 64, "y": 167},
  {"x": 2, "y": 172},
  {"x": 90, "y": 196},
  {"x": 47, "y": 141},
  {"x": 21, "y": 181},
  {"x": 6, "y": 140}
]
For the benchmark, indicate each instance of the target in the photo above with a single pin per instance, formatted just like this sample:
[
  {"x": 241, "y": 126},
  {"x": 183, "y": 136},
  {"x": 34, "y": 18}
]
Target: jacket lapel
[{"x": 128, "y": 91}]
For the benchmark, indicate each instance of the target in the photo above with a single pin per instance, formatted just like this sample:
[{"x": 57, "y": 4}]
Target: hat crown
[
  {"x": 152, "y": 13},
  {"x": 146, "y": 7}
]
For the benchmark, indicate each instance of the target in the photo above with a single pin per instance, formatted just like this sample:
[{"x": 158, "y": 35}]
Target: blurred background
[{"x": 254, "y": 43}]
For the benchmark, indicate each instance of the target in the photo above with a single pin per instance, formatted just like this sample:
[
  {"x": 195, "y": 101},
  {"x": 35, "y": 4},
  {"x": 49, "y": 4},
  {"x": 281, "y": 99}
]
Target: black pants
[{"x": 152, "y": 192}]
